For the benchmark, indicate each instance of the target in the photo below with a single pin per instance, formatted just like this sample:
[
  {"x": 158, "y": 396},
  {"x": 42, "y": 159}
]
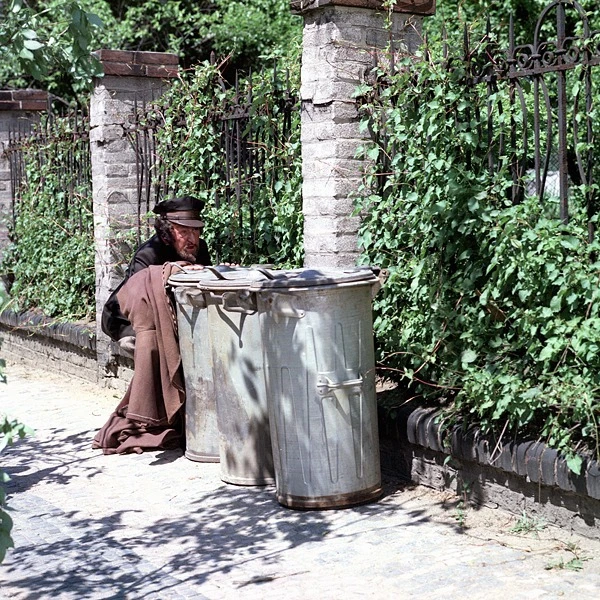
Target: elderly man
[
  {"x": 140, "y": 316},
  {"x": 177, "y": 238}
]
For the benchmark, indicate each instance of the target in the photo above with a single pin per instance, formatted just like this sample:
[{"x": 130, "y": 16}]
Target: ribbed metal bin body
[
  {"x": 320, "y": 374},
  {"x": 242, "y": 414},
  {"x": 201, "y": 429}
]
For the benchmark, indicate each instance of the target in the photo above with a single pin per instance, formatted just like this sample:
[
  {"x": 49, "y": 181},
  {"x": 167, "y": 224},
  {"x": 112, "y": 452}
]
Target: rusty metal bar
[
  {"x": 149, "y": 163},
  {"x": 238, "y": 139},
  {"x": 563, "y": 168},
  {"x": 139, "y": 166}
]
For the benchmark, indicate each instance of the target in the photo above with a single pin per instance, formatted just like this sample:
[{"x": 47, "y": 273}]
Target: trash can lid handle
[
  {"x": 216, "y": 272},
  {"x": 265, "y": 272}
]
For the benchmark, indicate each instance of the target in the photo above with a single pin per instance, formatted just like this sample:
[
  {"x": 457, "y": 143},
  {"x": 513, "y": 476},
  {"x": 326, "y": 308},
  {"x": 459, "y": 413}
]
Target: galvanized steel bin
[
  {"x": 237, "y": 362},
  {"x": 317, "y": 339},
  {"x": 201, "y": 429}
]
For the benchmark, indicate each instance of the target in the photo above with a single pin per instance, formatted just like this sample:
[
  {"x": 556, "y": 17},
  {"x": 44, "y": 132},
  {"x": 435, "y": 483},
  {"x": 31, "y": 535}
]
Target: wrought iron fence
[
  {"x": 551, "y": 144},
  {"x": 243, "y": 147},
  {"x": 556, "y": 119},
  {"x": 62, "y": 123}
]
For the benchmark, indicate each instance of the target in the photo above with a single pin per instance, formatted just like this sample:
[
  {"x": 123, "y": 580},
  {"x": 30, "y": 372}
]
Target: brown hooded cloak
[{"x": 148, "y": 416}]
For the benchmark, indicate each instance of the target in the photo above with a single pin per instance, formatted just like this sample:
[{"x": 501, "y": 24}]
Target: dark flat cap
[{"x": 183, "y": 211}]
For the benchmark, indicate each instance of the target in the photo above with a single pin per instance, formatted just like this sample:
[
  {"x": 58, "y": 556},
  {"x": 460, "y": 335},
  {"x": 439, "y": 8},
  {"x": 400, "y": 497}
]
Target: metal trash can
[
  {"x": 239, "y": 385},
  {"x": 201, "y": 429},
  {"x": 317, "y": 339}
]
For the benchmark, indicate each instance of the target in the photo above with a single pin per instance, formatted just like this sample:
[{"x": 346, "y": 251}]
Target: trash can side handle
[
  {"x": 193, "y": 296},
  {"x": 325, "y": 386},
  {"x": 281, "y": 305},
  {"x": 239, "y": 302}
]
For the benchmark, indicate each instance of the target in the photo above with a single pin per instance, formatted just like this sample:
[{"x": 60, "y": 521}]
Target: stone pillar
[
  {"x": 340, "y": 39},
  {"x": 19, "y": 112},
  {"x": 130, "y": 79}
]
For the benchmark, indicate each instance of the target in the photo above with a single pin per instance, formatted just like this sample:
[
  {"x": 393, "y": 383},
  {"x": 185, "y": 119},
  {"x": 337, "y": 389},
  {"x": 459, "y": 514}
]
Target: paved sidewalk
[{"x": 156, "y": 525}]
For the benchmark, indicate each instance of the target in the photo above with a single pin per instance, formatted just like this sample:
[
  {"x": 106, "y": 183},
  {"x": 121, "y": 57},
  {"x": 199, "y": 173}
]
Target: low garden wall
[
  {"x": 68, "y": 348},
  {"x": 522, "y": 477}
]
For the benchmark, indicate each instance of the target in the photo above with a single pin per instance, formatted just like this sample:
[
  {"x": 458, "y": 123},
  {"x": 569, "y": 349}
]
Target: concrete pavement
[{"x": 156, "y": 525}]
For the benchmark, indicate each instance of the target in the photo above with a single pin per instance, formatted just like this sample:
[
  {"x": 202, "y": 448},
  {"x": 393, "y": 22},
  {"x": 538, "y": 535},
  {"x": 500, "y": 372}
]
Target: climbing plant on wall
[
  {"x": 238, "y": 148},
  {"x": 492, "y": 306},
  {"x": 51, "y": 256}
]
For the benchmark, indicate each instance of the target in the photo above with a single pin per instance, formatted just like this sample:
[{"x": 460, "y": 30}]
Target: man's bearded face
[{"x": 185, "y": 241}]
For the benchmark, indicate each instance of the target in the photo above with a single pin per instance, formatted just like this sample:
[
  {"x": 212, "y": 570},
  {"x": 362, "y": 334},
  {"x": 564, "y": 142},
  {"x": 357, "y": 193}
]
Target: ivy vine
[
  {"x": 491, "y": 309},
  {"x": 253, "y": 213},
  {"x": 51, "y": 256}
]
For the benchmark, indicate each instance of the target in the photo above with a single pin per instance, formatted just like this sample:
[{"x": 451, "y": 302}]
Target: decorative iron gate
[{"x": 548, "y": 133}]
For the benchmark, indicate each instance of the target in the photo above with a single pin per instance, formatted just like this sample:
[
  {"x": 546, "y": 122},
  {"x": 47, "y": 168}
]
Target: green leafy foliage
[
  {"x": 491, "y": 308},
  {"x": 51, "y": 257},
  {"x": 252, "y": 215},
  {"x": 50, "y": 42},
  {"x": 454, "y": 15},
  {"x": 10, "y": 430}
]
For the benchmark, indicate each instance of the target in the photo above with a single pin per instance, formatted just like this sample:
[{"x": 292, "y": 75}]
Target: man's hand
[{"x": 127, "y": 344}]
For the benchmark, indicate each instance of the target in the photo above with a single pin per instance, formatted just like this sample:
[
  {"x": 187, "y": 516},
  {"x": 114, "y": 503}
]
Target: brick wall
[
  {"x": 131, "y": 79},
  {"x": 341, "y": 40}
]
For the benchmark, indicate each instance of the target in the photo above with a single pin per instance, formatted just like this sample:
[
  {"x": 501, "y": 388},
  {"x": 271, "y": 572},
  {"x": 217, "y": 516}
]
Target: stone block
[
  {"x": 548, "y": 466},
  {"x": 349, "y": 7},
  {"x": 117, "y": 170},
  {"x": 592, "y": 476},
  {"x": 105, "y": 133},
  {"x": 339, "y": 112},
  {"x": 520, "y": 452},
  {"x": 415, "y": 433},
  {"x": 136, "y": 57},
  {"x": 348, "y": 62},
  {"x": 463, "y": 443},
  {"x": 326, "y": 206},
  {"x": 157, "y": 58},
  {"x": 579, "y": 479},
  {"x": 334, "y": 260},
  {"x": 333, "y": 132},
  {"x": 332, "y": 187},
  {"x": 434, "y": 438},
  {"x": 454, "y": 439},
  {"x": 423, "y": 427},
  {"x": 330, "y": 226},
  {"x": 332, "y": 167},
  {"x": 329, "y": 244},
  {"x": 341, "y": 31},
  {"x": 483, "y": 451},
  {"x": 325, "y": 91},
  {"x": 135, "y": 70},
  {"x": 533, "y": 460},
  {"x": 563, "y": 475},
  {"x": 130, "y": 89},
  {"x": 107, "y": 55},
  {"x": 324, "y": 149},
  {"x": 505, "y": 460}
]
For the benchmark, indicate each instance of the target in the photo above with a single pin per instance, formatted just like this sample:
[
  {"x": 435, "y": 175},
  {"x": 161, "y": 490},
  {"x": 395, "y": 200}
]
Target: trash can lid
[
  {"x": 190, "y": 277},
  {"x": 224, "y": 278},
  {"x": 310, "y": 277}
]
